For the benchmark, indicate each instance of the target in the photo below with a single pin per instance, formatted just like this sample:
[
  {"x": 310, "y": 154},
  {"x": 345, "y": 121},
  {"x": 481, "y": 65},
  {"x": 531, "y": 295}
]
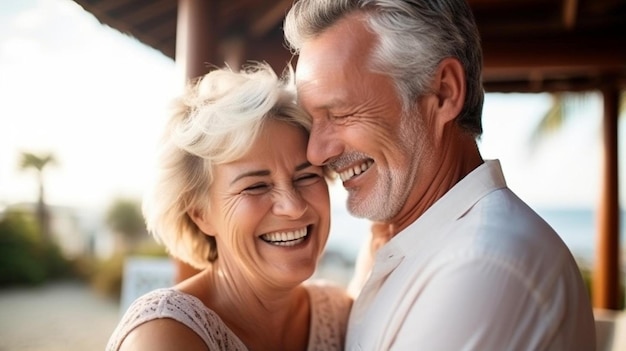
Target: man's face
[{"x": 358, "y": 125}]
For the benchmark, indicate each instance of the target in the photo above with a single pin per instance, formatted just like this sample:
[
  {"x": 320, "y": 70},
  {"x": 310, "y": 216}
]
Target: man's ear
[
  {"x": 199, "y": 218},
  {"x": 449, "y": 87}
]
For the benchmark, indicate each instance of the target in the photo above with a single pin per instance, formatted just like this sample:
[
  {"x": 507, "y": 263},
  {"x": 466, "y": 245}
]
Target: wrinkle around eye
[
  {"x": 309, "y": 179},
  {"x": 341, "y": 118},
  {"x": 256, "y": 189},
  {"x": 345, "y": 120}
]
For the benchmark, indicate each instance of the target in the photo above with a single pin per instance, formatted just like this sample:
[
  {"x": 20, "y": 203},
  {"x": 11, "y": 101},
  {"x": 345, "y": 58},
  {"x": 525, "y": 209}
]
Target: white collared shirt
[{"x": 479, "y": 270}]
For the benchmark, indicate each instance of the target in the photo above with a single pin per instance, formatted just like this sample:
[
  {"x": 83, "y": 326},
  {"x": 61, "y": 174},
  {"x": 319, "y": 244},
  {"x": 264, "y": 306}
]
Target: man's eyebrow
[
  {"x": 260, "y": 173},
  {"x": 304, "y": 165},
  {"x": 329, "y": 105}
]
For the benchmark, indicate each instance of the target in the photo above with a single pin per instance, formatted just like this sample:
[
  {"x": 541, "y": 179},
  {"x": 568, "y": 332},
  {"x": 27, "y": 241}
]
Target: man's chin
[{"x": 364, "y": 208}]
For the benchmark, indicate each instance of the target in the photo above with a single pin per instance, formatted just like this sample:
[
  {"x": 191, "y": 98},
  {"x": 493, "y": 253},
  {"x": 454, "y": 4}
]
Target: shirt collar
[{"x": 450, "y": 207}]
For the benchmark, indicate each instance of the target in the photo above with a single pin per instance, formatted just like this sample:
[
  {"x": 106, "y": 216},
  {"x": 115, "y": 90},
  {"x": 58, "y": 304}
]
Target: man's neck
[{"x": 456, "y": 161}]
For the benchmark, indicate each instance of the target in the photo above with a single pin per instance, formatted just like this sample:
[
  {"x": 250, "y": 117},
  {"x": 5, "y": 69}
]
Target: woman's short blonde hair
[{"x": 215, "y": 121}]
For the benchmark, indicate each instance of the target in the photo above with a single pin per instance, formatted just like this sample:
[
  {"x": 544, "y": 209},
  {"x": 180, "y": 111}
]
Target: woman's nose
[{"x": 290, "y": 203}]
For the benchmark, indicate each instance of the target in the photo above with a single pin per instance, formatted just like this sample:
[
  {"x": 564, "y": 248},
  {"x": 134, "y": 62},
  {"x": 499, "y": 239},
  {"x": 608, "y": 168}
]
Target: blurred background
[{"x": 81, "y": 108}]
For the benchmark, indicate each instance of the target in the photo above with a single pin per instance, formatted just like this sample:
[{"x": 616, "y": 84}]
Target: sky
[
  {"x": 86, "y": 93},
  {"x": 95, "y": 98}
]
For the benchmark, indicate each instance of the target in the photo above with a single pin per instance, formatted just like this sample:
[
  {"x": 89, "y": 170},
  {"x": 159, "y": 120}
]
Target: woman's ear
[
  {"x": 449, "y": 87},
  {"x": 199, "y": 218}
]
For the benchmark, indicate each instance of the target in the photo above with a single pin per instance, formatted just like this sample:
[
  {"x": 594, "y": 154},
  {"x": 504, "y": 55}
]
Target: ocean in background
[{"x": 577, "y": 227}]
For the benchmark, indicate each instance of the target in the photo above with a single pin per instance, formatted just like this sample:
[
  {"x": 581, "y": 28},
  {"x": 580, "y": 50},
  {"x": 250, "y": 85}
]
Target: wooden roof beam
[
  {"x": 608, "y": 52},
  {"x": 546, "y": 84},
  {"x": 104, "y": 6},
  {"x": 145, "y": 13},
  {"x": 570, "y": 11},
  {"x": 269, "y": 19}
]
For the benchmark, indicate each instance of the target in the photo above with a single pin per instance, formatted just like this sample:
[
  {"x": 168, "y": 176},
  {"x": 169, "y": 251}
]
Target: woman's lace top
[{"x": 330, "y": 307}]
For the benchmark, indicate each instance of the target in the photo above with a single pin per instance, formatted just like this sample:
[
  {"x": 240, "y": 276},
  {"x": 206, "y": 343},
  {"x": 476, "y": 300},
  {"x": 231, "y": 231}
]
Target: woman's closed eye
[{"x": 256, "y": 189}]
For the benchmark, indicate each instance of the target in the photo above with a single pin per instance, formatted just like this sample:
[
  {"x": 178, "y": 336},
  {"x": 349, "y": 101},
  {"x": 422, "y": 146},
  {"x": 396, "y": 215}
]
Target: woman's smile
[{"x": 286, "y": 238}]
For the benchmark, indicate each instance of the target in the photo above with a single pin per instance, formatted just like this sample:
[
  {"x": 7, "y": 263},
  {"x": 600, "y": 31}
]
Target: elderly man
[{"x": 395, "y": 95}]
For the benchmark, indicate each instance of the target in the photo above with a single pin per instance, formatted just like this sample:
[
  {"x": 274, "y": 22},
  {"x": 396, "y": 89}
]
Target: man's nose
[{"x": 324, "y": 144}]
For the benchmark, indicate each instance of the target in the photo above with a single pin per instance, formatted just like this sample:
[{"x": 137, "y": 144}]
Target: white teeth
[
  {"x": 356, "y": 170},
  {"x": 290, "y": 238}
]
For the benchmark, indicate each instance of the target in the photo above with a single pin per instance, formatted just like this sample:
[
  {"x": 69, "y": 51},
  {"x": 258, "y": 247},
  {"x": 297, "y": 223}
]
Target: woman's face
[{"x": 269, "y": 211}]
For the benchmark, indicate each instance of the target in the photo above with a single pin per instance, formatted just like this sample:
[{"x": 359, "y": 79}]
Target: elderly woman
[{"x": 236, "y": 197}]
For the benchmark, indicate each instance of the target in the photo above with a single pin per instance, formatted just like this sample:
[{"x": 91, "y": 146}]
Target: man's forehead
[
  {"x": 348, "y": 42},
  {"x": 321, "y": 83}
]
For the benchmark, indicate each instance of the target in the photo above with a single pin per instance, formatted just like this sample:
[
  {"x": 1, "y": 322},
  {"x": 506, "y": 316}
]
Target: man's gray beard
[
  {"x": 386, "y": 200},
  {"x": 380, "y": 204}
]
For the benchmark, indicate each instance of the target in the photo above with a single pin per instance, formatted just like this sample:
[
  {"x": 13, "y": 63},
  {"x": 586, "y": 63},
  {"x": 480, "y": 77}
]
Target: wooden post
[
  {"x": 606, "y": 285},
  {"x": 196, "y": 51},
  {"x": 197, "y": 39}
]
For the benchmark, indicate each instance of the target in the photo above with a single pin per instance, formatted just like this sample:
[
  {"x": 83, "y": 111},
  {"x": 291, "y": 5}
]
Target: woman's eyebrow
[
  {"x": 265, "y": 172},
  {"x": 260, "y": 173}
]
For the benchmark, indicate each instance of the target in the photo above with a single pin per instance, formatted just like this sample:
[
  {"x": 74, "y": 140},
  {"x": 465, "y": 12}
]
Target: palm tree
[
  {"x": 562, "y": 109},
  {"x": 39, "y": 163}
]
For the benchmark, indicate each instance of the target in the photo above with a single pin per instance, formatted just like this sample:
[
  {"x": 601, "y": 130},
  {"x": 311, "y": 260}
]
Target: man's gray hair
[{"x": 414, "y": 37}]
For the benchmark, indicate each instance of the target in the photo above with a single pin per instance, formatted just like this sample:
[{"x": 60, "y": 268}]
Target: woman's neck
[{"x": 264, "y": 317}]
